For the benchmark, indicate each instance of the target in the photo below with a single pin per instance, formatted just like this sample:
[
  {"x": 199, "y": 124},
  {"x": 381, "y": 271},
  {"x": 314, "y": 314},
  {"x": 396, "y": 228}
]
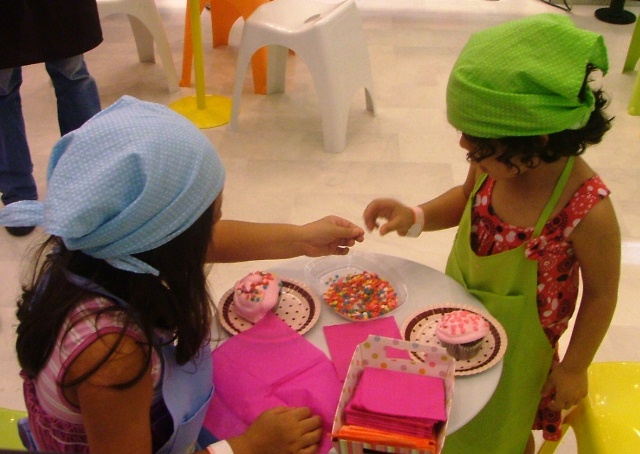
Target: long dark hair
[
  {"x": 529, "y": 150},
  {"x": 176, "y": 301}
]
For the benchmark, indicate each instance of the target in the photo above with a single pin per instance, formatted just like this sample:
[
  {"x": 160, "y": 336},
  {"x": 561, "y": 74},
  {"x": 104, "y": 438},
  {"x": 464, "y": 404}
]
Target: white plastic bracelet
[
  {"x": 220, "y": 447},
  {"x": 418, "y": 223}
]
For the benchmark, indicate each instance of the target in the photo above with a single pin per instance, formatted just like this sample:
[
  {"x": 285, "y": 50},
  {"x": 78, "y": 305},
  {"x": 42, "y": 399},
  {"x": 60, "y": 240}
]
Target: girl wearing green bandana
[{"x": 533, "y": 219}]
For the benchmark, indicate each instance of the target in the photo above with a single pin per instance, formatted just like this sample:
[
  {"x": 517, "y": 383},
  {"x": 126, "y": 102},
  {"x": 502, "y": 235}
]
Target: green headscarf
[{"x": 523, "y": 78}]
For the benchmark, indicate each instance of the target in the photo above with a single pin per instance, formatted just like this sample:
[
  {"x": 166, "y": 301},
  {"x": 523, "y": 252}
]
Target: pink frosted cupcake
[
  {"x": 461, "y": 333},
  {"x": 256, "y": 294}
]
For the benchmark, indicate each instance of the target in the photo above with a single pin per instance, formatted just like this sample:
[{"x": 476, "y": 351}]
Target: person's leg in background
[
  {"x": 76, "y": 92},
  {"x": 77, "y": 101},
  {"x": 16, "y": 169}
]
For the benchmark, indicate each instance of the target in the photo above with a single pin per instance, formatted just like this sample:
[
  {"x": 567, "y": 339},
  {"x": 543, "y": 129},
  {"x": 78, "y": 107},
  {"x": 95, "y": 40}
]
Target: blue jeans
[{"x": 77, "y": 101}]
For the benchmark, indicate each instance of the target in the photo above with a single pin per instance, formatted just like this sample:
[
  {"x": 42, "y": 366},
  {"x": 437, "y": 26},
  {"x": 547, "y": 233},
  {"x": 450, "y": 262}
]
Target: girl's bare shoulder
[{"x": 582, "y": 171}]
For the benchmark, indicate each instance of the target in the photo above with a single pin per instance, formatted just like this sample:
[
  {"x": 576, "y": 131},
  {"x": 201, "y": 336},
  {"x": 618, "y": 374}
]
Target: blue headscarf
[{"x": 131, "y": 179}]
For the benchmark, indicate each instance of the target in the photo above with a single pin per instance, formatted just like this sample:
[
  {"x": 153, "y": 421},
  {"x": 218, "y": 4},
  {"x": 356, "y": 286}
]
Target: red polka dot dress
[{"x": 558, "y": 268}]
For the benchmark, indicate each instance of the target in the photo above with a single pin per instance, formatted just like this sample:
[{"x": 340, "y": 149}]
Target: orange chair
[{"x": 224, "y": 14}]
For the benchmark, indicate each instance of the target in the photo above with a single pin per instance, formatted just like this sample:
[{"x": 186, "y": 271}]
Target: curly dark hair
[
  {"x": 529, "y": 150},
  {"x": 177, "y": 301}
]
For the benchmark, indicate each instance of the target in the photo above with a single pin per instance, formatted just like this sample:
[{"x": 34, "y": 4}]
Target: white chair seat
[
  {"x": 329, "y": 38},
  {"x": 147, "y": 28}
]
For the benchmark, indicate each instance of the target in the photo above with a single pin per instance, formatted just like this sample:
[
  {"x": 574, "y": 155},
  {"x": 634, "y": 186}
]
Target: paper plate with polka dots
[
  {"x": 421, "y": 327},
  {"x": 297, "y": 307}
]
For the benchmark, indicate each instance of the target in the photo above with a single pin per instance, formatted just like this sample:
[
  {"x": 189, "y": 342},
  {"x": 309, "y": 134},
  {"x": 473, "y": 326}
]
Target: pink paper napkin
[
  {"x": 399, "y": 402},
  {"x": 343, "y": 339},
  {"x": 395, "y": 393},
  {"x": 270, "y": 365}
]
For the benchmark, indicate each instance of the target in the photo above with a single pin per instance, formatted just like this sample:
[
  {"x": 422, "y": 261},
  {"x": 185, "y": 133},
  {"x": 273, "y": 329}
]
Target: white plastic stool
[
  {"x": 147, "y": 27},
  {"x": 329, "y": 38}
]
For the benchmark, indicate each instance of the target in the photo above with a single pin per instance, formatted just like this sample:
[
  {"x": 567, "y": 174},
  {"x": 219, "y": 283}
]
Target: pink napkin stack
[
  {"x": 398, "y": 402},
  {"x": 343, "y": 339}
]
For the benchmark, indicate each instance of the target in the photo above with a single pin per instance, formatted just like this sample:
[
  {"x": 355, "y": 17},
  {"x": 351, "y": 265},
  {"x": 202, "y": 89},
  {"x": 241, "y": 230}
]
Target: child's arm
[
  {"x": 596, "y": 242},
  {"x": 237, "y": 241},
  {"x": 115, "y": 420},
  {"x": 440, "y": 213}
]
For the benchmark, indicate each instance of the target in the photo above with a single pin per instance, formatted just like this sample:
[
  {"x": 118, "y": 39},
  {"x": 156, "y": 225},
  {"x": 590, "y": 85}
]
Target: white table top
[{"x": 426, "y": 287}]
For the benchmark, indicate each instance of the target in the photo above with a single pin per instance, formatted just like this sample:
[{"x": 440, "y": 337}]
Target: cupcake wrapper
[{"x": 463, "y": 351}]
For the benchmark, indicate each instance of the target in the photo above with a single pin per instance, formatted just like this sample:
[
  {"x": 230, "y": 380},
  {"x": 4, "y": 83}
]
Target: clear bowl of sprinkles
[{"x": 357, "y": 286}]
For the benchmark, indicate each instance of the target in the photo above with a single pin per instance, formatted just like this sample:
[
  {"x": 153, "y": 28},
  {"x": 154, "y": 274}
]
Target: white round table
[{"x": 426, "y": 287}]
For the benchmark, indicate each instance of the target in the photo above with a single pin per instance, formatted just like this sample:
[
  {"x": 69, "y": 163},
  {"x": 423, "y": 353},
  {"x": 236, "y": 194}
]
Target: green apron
[{"x": 506, "y": 284}]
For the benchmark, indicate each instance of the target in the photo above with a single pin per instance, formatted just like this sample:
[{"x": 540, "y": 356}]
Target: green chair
[
  {"x": 607, "y": 421},
  {"x": 633, "y": 54},
  {"x": 9, "y": 438}
]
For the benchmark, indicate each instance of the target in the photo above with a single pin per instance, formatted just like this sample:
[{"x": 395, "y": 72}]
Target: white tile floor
[{"x": 277, "y": 170}]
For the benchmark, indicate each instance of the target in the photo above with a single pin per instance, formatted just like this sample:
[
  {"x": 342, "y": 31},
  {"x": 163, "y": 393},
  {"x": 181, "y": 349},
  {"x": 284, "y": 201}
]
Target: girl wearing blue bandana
[
  {"x": 533, "y": 219},
  {"x": 113, "y": 334}
]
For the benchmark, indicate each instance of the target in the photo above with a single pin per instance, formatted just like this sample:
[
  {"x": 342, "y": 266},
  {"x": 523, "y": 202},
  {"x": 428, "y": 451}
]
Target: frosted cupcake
[
  {"x": 256, "y": 294},
  {"x": 461, "y": 333}
]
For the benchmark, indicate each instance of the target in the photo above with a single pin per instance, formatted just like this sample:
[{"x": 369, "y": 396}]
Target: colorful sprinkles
[
  {"x": 255, "y": 285},
  {"x": 361, "y": 296}
]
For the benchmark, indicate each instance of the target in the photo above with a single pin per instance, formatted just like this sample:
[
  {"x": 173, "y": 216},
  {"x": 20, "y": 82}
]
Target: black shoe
[{"x": 20, "y": 231}]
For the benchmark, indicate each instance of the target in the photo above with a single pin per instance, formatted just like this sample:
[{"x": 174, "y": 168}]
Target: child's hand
[
  {"x": 566, "y": 387},
  {"x": 399, "y": 217},
  {"x": 330, "y": 235},
  {"x": 281, "y": 430}
]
